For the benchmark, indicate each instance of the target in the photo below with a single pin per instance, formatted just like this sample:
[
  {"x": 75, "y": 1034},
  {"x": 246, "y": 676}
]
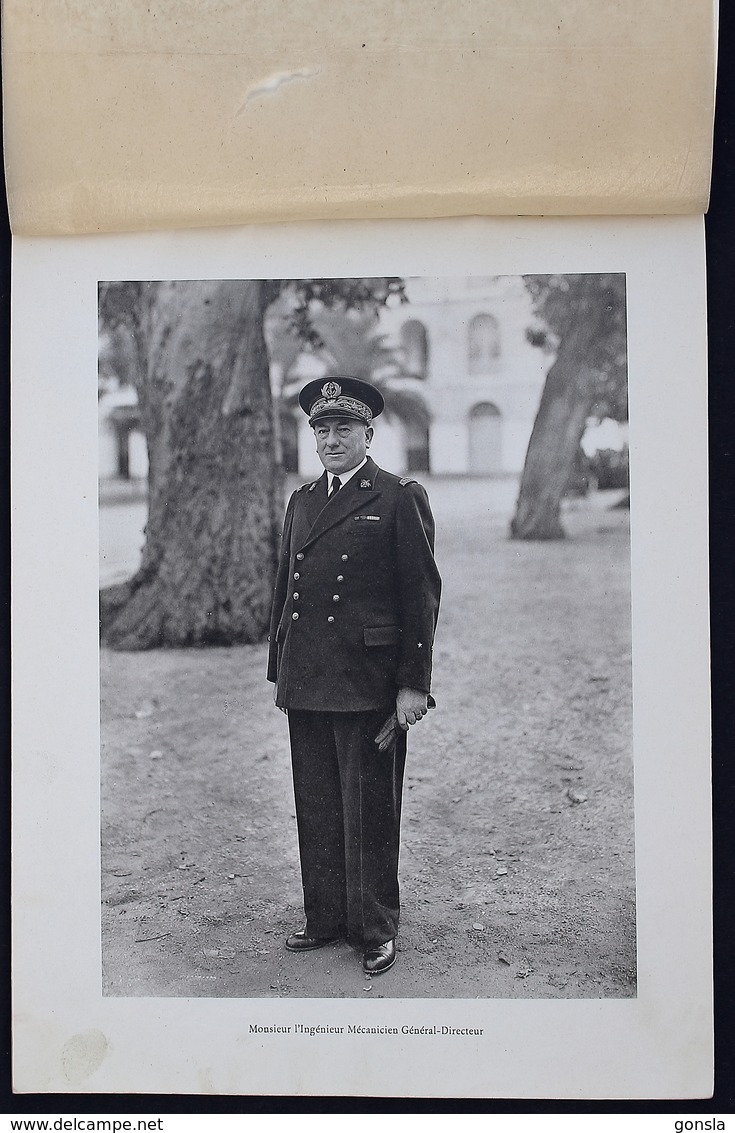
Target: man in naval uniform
[{"x": 352, "y": 629}]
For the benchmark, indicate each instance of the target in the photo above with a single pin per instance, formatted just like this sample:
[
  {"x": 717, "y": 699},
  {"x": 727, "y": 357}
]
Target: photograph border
[{"x": 667, "y": 1053}]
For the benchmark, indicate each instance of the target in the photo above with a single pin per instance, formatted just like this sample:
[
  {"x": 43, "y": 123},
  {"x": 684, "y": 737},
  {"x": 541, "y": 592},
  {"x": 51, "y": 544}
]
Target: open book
[{"x": 497, "y": 213}]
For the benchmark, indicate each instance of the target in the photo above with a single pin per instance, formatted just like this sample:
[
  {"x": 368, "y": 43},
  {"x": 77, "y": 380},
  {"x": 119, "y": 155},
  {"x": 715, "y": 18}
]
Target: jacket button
[
  {"x": 296, "y": 594},
  {"x": 340, "y": 578},
  {"x": 344, "y": 558},
  {"x": 296, "y": 576},
  {"x": 300, "y": 555},
  {"x": 330, "y": 618},
  {"x": 295, "y": 617},
  {"x": 335, "y": 597}
]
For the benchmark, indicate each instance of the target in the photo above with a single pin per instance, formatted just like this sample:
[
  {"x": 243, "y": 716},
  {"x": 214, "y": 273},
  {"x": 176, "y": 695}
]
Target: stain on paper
[
  {"x": 83, "y": 1054},
  {"x": 274, "y": 83}
]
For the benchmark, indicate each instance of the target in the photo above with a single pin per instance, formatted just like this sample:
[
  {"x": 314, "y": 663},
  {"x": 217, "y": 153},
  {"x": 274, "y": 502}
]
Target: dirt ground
[{"x": 517, "y": 861}]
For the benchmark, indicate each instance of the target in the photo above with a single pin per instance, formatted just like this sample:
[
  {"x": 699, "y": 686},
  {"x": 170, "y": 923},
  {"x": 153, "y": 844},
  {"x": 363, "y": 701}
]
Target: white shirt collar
[{"x": 344, "y": 476}]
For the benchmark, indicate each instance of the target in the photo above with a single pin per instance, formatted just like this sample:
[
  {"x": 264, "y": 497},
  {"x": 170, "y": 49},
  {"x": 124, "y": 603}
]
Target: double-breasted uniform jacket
[{"x": 356, "y": 596}]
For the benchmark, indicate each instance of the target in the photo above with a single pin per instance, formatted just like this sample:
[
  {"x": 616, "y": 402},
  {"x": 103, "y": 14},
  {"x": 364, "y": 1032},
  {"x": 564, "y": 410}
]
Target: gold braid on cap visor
[{"x": 337, "y": 403}]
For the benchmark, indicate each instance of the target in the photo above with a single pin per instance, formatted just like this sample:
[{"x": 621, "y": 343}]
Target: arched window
[
  {"x": 485, "y": 439},
  {"x": 415, "y": 346},
  {"x": 417, "y": 446},
  {"x": 483, "y": 343}
]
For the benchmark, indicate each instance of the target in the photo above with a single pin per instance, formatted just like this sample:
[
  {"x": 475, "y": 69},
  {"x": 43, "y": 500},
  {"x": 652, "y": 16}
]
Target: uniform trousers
[{"x": 348, "y": 811}]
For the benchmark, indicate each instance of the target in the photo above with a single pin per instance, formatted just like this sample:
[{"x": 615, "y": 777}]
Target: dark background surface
[{"x": 720, "y": 227}]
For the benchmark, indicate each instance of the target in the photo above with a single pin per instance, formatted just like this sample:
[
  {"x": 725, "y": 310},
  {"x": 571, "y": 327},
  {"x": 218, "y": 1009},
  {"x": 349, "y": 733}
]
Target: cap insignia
[{"x": 331, "y": 390}]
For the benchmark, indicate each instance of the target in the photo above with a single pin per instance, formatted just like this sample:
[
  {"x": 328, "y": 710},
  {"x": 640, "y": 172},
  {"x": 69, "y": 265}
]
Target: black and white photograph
[
  {"x": 368, "y": 603},
  {"x": 391, "y": 736}
]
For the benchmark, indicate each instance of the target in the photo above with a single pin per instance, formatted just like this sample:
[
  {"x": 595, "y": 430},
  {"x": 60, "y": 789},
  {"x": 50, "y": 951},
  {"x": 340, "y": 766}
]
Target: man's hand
[
  {"x": 386, "y": 737},
  {"x": 411, "y": 705}
]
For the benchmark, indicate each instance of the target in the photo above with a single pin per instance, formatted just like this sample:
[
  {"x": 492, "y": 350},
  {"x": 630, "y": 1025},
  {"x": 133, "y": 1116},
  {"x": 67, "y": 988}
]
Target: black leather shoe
[
  {"x": 301, "y": 942},
  {"x": 380, "y": 959}
]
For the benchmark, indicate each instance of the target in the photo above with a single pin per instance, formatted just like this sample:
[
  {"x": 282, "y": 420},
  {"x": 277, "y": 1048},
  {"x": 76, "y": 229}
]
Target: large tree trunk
[
  {"x": 557, "y": 432},
  {"x": 208, "y": 564}
]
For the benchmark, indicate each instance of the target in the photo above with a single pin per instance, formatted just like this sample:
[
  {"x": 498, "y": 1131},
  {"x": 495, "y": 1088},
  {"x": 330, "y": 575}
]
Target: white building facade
[
  {"x": 465, "y": 340},
  {"x": 483, "y": 379}
]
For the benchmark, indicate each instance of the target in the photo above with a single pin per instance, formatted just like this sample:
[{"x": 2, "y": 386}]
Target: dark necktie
[{"x": 336, "y": 485}]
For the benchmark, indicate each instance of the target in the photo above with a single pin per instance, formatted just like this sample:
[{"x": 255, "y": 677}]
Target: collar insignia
[{"x": 366, "y": 484}]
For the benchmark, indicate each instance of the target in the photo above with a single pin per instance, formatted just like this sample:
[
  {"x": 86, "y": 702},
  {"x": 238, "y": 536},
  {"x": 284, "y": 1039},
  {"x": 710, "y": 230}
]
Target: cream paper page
[{"x": 144, "y": 114}]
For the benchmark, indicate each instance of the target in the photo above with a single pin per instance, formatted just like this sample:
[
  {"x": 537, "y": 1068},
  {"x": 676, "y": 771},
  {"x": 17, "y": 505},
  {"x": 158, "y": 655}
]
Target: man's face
[{"x": 341, "y": 443}]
